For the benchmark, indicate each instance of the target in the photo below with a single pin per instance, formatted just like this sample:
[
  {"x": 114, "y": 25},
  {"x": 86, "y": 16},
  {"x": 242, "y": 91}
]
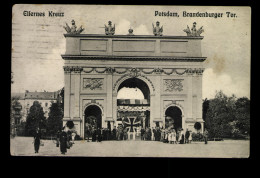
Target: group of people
[
  {"x": 98, "y": 135},
  {"x": 173, "y": 137},
  {"x": 155, "y": 134},
  {"x": 169, "y": 135},
  {"x": 65, "y": 139}
]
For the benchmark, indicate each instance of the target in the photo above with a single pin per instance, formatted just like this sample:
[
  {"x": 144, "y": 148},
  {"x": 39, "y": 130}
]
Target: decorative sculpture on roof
[
  {"x": 73, "y": 28},
  {"x": 193, "y": 31},
  {"x": 130, "y": 31},
  {"x": 157, "y": 30},
  {"x": 109, "y": 30}
]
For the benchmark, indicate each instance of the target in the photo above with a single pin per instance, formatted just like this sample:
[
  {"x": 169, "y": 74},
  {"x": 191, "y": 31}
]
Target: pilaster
[{"x": 67, "y": 85}]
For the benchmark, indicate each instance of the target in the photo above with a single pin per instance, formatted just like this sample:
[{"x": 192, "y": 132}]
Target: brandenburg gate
[{"x": 167, "y": 69}]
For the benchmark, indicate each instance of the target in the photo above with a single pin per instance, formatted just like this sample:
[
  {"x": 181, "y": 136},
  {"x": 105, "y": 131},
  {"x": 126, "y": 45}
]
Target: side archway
[{"x": 173, "y": 117}]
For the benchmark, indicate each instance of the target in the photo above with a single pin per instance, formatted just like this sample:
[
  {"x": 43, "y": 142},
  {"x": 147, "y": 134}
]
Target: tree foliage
[
  {"x": 91, "y": 120},
  {"x": 227, "y": 117},
  {"x": 54, "y": 122},
  {"x": 35, "y": 119}
]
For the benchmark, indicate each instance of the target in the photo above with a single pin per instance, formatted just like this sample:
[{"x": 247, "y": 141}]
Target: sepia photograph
[{"x": 130, "y": 81}]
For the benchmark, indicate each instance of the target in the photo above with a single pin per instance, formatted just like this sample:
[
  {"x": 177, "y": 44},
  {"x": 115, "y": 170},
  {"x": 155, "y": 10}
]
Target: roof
[
  {"x": 41, "y": 95},
  {"x": 20, "y": 95},
  {"x": 134, "y": 36}
]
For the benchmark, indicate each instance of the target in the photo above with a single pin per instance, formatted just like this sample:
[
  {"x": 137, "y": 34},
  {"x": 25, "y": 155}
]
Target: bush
[
  {"x": 197, "y": 137},
  {"x": 77, "y": 137}
]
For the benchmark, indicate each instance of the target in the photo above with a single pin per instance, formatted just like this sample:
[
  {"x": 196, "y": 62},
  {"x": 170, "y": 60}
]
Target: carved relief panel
[
  {"x": 93, "y": 83},
  {"x": 173, "y": 85}
]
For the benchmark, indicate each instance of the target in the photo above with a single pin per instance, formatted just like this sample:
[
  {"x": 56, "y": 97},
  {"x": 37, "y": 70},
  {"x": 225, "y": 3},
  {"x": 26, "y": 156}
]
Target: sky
[{"x": 38, "y": 42}]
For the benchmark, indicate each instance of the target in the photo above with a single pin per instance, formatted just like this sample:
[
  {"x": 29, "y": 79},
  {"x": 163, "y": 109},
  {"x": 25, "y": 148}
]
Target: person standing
[
  {"x": 166, "y": 136},
  {"x": 174, "y": 136},
  {"x": 181, "y": 137},
  {"x": 103, "y": 133},
  {"x": 73, "y": 134},
  {"x": 125, "y": 134},
  {"x": 187, "y": 135},
  {"x": 162, "y": 134},
  {"x": 69, "y": 138},
  {"x": 190, "y": 137},
  {"x": 63, "y": 142},
  {"x": 114, "y": 131},
  {"x": 94, "y": 133},
  {"x": 142, "y": 133},
  {"x": 170, "y": 137},
  {"x": 206, "y": 136},
  {"x": 37, "y": 141},
  {"x": 149, "y": 133},
  {"x": 109, "y": 134},
  {"x": 58, "y": 139},
  {"x": 99, "y": 136},
  {"x": 153, "y": 135}
]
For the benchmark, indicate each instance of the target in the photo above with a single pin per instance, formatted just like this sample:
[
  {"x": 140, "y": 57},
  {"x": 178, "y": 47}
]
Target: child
[
  {"x": 190, "y": 137},
  {"x": 166, "y": 137},
  {"x": 174, "y": 137},
  {"x": 170, "y": 137}
]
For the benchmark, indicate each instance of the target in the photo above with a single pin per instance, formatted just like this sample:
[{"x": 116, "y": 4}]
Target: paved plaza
[{"x": 23, "y": 146}]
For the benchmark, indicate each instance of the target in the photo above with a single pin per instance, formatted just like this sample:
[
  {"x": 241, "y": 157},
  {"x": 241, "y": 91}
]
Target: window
[{"x": 46, "y": 104}]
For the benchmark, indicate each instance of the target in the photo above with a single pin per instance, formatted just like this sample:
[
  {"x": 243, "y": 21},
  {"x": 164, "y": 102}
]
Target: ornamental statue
[
  {"x": 109, "y": 30},
  {"x": 157, "y": 31},
  {"x": 130, "y": 31},
  {"x": 73, "y": 28},
  {"x": 193, "y": 31}
]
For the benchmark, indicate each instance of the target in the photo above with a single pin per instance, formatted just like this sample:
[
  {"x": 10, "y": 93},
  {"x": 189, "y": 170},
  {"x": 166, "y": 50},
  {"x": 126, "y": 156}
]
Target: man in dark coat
[
  {"x": 142, "y": 133},
  {"x": 182, "y": 137},
  {"x": 103, "y": 134},
  {"x": 94, "y": 135},
  {"x": 99, "y": 136},
  {"x": 63, "y": 142},
  {"x": 187, "y": 134},
  {"x": 114, "y": 131},
  {"x": 148, "y": 133},
  {"x": 37, "y": 141},
  {"x": 157, "y": 134},
  {"x": 205, "y": 134},
  {"x": 109, "y": 134},
  {"x": 58, "y": 139}
]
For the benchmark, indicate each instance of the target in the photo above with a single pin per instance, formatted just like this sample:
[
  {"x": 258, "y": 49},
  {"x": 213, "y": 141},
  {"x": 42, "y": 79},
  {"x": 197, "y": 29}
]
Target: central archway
[
  {"x": 93, "y": 118},
  {"x": 133, "y": 109}
]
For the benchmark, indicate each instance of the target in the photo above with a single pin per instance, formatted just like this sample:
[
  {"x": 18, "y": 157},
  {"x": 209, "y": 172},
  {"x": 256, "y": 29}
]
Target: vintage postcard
[{"x": 130, "y": 81}]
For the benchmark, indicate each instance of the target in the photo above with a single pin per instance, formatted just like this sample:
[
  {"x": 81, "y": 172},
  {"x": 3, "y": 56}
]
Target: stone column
[
  {"x": 152, "y": 106},
  {"x": 156, "y": 100},
  {"x": 67, "y": 81},
  {"x": 114, "y": 108},
  {"x": 189, "y": 93},
  {"x": 109, "y": 102},
  {"x": 76, "y": 105},
  {"x": 199, "y": 96}
]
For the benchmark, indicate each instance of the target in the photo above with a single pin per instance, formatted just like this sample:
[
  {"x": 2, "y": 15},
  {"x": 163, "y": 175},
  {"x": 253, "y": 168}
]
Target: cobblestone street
[{"x": 23, "y": 146}]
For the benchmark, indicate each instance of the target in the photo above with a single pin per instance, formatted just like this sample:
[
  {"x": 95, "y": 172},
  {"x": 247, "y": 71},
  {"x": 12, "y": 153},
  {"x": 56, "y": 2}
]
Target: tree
[
  {"x": 220, "y": 113},
  {"x": 205, "y": 107},
  {"x": 54, "y": 122},
  {"x": 35, "y": 119},
  {"x": 243, "y": 116},
  {"x": 15, "y": 114}
]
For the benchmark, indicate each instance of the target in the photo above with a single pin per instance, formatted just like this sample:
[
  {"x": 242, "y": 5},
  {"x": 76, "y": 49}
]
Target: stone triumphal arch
[{"x": 167, "y": 69}]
